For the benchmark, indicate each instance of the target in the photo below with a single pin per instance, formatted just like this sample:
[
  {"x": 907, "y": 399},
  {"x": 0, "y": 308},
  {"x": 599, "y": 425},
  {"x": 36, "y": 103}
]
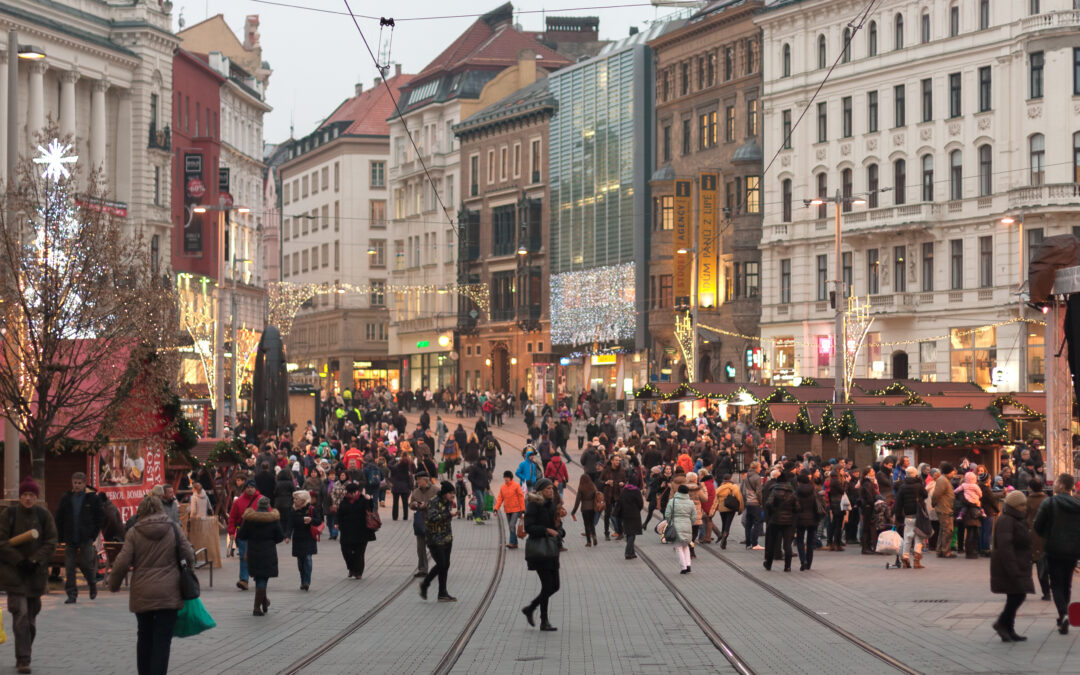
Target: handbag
[
  {"x": 923, "y": 526},
  {"x": 845, "y": 502},
  {"x": 521, "y": 533},
  {"x": 598, "y": 501},
  {"x": 316, "y": 530},
  {"x": 192, "y": 619},
  {"x": 189, "y": 583},
  {"x": 374, "y": 522},
  {"x": 542, "y": 548}
]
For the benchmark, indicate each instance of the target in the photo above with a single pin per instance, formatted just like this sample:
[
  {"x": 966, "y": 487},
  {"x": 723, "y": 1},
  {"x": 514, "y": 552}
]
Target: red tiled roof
[
  {"x": 480, "y": 45},
  {"x": 369, "y": 111}
]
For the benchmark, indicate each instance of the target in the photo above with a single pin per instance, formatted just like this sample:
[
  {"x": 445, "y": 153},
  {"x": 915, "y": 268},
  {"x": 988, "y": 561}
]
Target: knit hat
[
  {"x": 1017, "y": 500},
  {"x": 447, "y": 488},
  {"x": 303, "y": 496},
  {"x": 29, "y": 485},
  {"x": 541, "y": 484},
  {"x": 421, "y": 474},
  {"x": 250, "y": 483},
  {"x": 912, "y": 472}
]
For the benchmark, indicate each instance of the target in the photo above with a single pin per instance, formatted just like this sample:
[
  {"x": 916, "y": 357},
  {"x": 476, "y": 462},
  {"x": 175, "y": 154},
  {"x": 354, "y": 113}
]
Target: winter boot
[
  {"x": 723, "y": 542},
  {"x": 260, "y": 593},
  {"x": 918, "y": 562},
  {"x": 907, "y": 563}
]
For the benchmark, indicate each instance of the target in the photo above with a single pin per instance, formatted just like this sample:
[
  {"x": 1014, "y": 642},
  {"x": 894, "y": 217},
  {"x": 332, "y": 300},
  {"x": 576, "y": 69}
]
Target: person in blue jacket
[{"x": 528, "y": 472}]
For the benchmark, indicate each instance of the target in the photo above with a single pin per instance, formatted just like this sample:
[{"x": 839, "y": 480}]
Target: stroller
[{"x": 889, "y": 540}]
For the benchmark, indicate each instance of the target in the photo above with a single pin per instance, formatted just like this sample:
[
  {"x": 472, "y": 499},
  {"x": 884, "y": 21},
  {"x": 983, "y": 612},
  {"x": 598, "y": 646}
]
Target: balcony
[
  {"x": 1050, "y": 20},
  {"x": 414, "y": 325},
  {"x": 1052, "y": 194},
  {"x": 160, "y": 139}
]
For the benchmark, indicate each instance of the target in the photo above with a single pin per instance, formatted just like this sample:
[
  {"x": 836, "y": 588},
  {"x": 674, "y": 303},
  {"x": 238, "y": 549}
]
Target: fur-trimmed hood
[
  {"x": 261, "y": 516},
  {"x": 534, "y": 497}
]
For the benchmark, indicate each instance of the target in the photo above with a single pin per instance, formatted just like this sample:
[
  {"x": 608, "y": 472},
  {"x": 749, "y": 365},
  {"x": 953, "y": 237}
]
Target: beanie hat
[
  {"x": 263, "y": 504},
  {"x": 683, "y": 489},
  {"x": 447, "y": 488},
  {"x": 1017, "y": 500},
  {"x": 29, "y": 485},
  {"x": 541, "y": 484}
]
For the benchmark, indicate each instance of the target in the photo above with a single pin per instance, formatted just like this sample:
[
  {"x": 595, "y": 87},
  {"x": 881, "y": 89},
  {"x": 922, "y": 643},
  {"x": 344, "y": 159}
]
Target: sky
[{"x": 318, "y": 57}]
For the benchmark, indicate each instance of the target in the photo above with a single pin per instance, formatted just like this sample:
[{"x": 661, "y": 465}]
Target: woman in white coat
[{"x": 680, "y": 514}]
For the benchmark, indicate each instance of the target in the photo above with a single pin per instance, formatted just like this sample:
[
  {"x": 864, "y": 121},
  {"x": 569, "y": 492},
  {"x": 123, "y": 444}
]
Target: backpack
[
  {"x": 731, "y": 502},
  {"x": 598, "y": 501}
]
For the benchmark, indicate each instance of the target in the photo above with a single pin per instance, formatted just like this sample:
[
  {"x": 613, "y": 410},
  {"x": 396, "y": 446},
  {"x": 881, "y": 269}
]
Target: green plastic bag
[
  {"x": 442, "y": 468},
  {"x": 489, "y": 502},
  {"x": 192, "y": 619}
]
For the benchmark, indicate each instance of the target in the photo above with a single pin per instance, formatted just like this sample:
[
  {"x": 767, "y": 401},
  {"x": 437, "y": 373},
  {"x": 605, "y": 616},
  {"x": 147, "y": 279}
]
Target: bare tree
[{"x": 87, "y": 343}]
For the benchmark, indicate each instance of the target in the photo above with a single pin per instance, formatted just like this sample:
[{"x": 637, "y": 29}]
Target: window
[
  {"x": 1076, "y": 157},
  {"x": 1035, "y": 80},
  {"x": 845, "y": 56},
  {"x": 504, "y": 154},
  {"x": 872, "y": 185},
  {"x": 984, "y": 89},
  {"x": 703, "y": 131},
  {"x": 898, "y": 31},
  {"x": 665, "y": 85},
  {"x": 378, "y": 293},
  {"x": 873, "y": 267},
  {"x": 845, "y": 117},
  {"x": 1034, "y": 241},
  {"x": 955, "y": 109},
  {"x": 729, "y": 123},
  {"x": 1033, "y": 7},
  {"x": 314, "y": 182},
  {"x": 847, "y": 268},
  {"x": 823, "y": 193},
  {"x": 924, "y": 28},
  {"x": 822, "y": 277},
  {"x": 956, "y": 266},
  {"x": 822, "y": 122},
  {"x": 686, "y": 137},
  {"x": 729, "y": 63},
  {"x": 821, "y": 59},
  {"x": 785, "y": 128},
  {"x": 871, "y": 39},
  {"x": 711, "y": 128},
  {"x": 378, "y": 174},
  {"x": 502, "y": 230},
  {"x": 973, "y": 355},
  {"x": 304, "y": 183},
  {"x": 1037, "y": 145},
  {"x": 899, "y": 269},
  {"x": 666, "y": 143},
  {"x": 474, "y": 175},
  {"x": 490, "y": 167},
  {"x": 899, "y": 106},
  {"x": 928, "y": 266},
  {"x": 326, "y": 255},
  {"x": 337, "y": 176},
  {"x": 956, "y": 175},
  {"x": 753, "y": 194},
  {"x": 749, "y": 57},
  {"x": 684, "y": 78},
  {"x": 517, "y": 160},
  {"x": 752, "y": 285},
  {"x": 928, "y": 178},
  {"x": 710, "y": 66},
  {"x": 157, "y": 186},
  {"x": 954, "y": 21},
  {"x": 785, "y": 281},
  {"x": 785, "y": 196},
  {"x": 847, "y": 186},
  {"x": 701, "y": 72},
  {"x": 399, "y": 255},
  {"x": 871, "y": 112},
  {"x": 984, "y": 14},
  {"x": 377, "y": 213},
  {"x": 986, "y": 262},
  {"x": 986, "y": 170},
  {"x": 665, "y": 291},
  {"x": 666, "y": 217},
  {"x": 900, "y": 181},
  {"x": 927, "y": 100},
  {"x": 786, "y": 61},
  {"x": 534, "y": 160},
  {"x": 325, "y": 178},
  {"x": 751, "y": 117}
]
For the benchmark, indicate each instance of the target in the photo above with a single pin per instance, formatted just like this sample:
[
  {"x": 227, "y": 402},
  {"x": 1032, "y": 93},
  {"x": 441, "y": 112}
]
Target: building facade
[
  {"x": 708, "y": 121},
  {"x": 424, "y": 176},
  {"x": 941, "y": 117},
  {"x": 334, "y": 234},
  {"x": 503, "y": 244}
]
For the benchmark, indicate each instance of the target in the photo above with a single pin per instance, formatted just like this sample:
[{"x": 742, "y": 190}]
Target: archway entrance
[
  {"x": 500, "y": 369},
  {"x": 900, "y": 365}
]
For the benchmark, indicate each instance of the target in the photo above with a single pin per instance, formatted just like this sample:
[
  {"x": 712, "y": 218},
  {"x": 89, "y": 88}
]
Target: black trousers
[
  {"x": 773, "y": 536},
  {"x": 869, "y": 533},
  {"x": 353, "y": 553},
  {"x": 155, "y": 639},
  {"x": 851, "y": 530},
  {"x": 82, "y": 557},
  {"x": 404, "y": 498},
  {"x": 1008, "y": 615},
  {"x": 1061, "y": 574},
  {"x": 549, "y": 586},
  {"x": 440, "y": 555},
  {"x": 589, "y": 520},
  {"x": 804, "y": 542},
  {"x": 836, "y": 528},
  {"x": 725, "y": 522}
]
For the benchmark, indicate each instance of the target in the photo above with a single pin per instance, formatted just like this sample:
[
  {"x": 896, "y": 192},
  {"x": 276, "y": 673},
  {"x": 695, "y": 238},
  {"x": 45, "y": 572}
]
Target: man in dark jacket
[
  {"x": 79, "y": 518},
  {"x": 612, "y": 481},
  {"x": 1057, "y": 522},
  {"x": 265, "y": 479},
  {"x": 909, "y": 500},
  {"x": 780, "y": 509},
  {"x": 480, "y": 479}
]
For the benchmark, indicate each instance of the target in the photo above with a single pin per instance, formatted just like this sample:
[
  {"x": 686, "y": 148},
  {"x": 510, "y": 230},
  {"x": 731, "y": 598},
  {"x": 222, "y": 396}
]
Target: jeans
[
  {"x": 155, "y": 639},
  {"x": 241, "y": 552},
  {"x": 986, "y": 528},
  {"x": 480, "y": 495},
  {"x": 630, "y": 543},
  {"x": 511, "y": 522},
  {"x": 610, "y": 519},
  {"x": 261, "y": 582},
  {"x": 404, "y": 499},
  {"x": 913, "y": 543},
  {"x": 549, "y": 586},
  {"x": 1061, "y": 574},
  {"x": 836, "y": 527},
  {"x": 773, "y": 536},
  {"x": 331, "y": 519},
  {"x": 440, "y": 555},
  {"x": 804, "y": 544},
  {"x": 753, "y": 517},
  {"x": 84, "y": 558},
  {"x": 353, "y": 554},
  {"x": 1007, "y": 619},
  {"x": 304, "y": 564},
  {"x": 24, "y": 610}
]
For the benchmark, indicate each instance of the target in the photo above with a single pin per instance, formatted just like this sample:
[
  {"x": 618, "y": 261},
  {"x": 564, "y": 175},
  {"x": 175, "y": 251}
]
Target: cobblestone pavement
[{"x": 614, "y": 615}]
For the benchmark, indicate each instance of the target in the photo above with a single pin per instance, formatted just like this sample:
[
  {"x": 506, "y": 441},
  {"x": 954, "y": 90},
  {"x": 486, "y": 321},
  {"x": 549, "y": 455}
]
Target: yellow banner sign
[
  {"x": 683, "y": 240},
  {"x": 707, "y": 276}
]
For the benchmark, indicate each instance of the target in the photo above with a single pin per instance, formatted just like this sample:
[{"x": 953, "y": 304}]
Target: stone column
[
  {"x": 67, "y": 103},
  {"x": 36, "y": 118},
  {"x": 121, "y": 184},
  {"x": 98, "y": 126}
]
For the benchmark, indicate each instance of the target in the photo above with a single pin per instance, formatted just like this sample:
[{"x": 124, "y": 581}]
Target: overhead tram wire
[{"x": 320, "y": 10}]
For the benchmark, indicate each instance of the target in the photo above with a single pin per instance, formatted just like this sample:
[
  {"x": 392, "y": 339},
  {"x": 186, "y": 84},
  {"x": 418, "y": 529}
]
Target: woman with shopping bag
[{"x": 153, "y": 550}]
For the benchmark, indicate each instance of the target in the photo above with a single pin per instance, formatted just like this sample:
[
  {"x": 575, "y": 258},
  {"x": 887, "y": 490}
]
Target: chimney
[
  {"x": 633, "y": 30},
  {"x": 397, "y": 69},
  {"x": 378, "y": 81},
  {"x": 359, "y": 88},
  {"x": 526, "y": 68}
]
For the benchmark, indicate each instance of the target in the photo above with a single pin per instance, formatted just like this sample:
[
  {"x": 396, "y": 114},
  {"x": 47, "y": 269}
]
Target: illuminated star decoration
[{"x": 54, "y": 160}]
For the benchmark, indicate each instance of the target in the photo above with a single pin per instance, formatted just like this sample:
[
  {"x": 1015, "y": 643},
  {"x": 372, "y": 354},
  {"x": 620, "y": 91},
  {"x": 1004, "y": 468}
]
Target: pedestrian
[
  {"x": 631, "y": 502},
  {"x": 480, "y": 480},
  {"x": 728, "y": 502},
  {"x": 586, "y": 499},
  {"x": 868, "y": 494},
  {"x": 834, "y": 492},
  {"x": 612, "y": 479},
  {"x": 708, "y": 492},
  {"x": 440, "y": 538},
  {"x": 24, "y": 563},
  {"x": 943, "y": 502},
  {"x": 149, "y": 556},
  {"x": 170, "y": 503},
  {"x": 1058, "y": 522},
  {"x": 401, "y": 483},
  {"x": 781, "y": 507},
  {"x": 202, "y": 526},
  {"x": 512, "y": 500},
  {"x": 528, "y": 472},
  {"x": 806, "y": 520},
  {"x": 247, "y": 499},
  {"x": 679, "y": 515},
  {"x": 79, "y": 518},
  {"x": 421, "y": 496},
  {"x": 1010, "y": 563},
  {"x": 542, "y": 549},
  {"x": 261, "y": 529},
  {"x": 1034, "y": 500},
  {"x": 971, "y": 496},
  {"x": 282, "y": 496},
  {"x": 556, "y": 472},
  {"x": 355, "y": 531},
  {"x": 305, "y": 519},
  {"x": 910, "y": 500},
  {"x": 751, "y": 494}
]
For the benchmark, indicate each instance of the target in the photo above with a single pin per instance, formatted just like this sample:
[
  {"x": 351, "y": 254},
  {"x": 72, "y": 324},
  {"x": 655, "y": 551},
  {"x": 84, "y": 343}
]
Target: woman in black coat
[
  {"x": 541, "y": 522},
  {"x": 631, "y": 502},
  {"x": 302, "y": 517},
  {"x": 1010, "y": 564},
  {"x": 261, "y": 529},
  {"x": 401, "y": 484},
  {"x": 806, "y": 520},
  {"x": 355, "y": 533},
  {"x": 282, "y": 497}
]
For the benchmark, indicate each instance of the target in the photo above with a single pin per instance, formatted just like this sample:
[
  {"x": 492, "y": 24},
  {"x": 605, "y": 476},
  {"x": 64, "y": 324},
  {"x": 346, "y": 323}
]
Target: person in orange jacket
[{"x": 512, "y": 499}]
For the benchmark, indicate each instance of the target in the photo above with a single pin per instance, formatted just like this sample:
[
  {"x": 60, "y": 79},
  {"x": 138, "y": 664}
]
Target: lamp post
[
  {"x": 839, "y": 338},
  {"x": 1022, "y": 365}
]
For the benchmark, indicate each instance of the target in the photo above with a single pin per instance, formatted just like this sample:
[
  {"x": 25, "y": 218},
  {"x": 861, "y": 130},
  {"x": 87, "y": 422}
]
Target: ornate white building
[{"x": 951, "y": 116}]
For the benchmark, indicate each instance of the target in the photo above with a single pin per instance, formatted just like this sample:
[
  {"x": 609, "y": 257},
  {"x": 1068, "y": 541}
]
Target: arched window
[
  {"x": 924, "y": 27},
  {"x": 900, "y": 181},
  {"x": 785, "y": 192},
  {"x": 956, "y": 175},
  {"x": 898, "y": 32},
  {"x": 928, "y": 178},
  {"x": 986, "y": 170},
  {"x": 954, "y": 20},
  {"x": 871, "y": 39},
  {"x": 786, "y": 61},
  {"x": 1038, "y": 159},
  {"x": 846, "y": 46},
  {"x": 821, "y": 51}
]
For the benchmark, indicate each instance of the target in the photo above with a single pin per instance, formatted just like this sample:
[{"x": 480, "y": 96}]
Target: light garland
[
  {"x": 197, "y": 320},
  {"x": 593, "y": 305},
  {"x": 857, "y": 321},
  {"x": 684, "y": 335}
]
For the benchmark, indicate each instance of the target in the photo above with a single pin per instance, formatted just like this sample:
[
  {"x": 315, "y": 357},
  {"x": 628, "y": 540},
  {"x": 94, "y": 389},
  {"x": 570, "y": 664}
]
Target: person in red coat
[{"x": 248, "y": 499}]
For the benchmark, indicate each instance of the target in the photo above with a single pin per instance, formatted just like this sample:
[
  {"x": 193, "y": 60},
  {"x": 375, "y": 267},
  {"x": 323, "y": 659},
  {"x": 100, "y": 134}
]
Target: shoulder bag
[
  {"x": 542, "y": 548},
  {"x": 316, "y": 530},
  {"x": 189, "y": 583},
  {"x": 374, "y": 522}
]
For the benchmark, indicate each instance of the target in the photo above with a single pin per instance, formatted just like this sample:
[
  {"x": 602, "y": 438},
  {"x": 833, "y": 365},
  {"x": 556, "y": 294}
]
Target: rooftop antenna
[{"x": 180, "y": 19}]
